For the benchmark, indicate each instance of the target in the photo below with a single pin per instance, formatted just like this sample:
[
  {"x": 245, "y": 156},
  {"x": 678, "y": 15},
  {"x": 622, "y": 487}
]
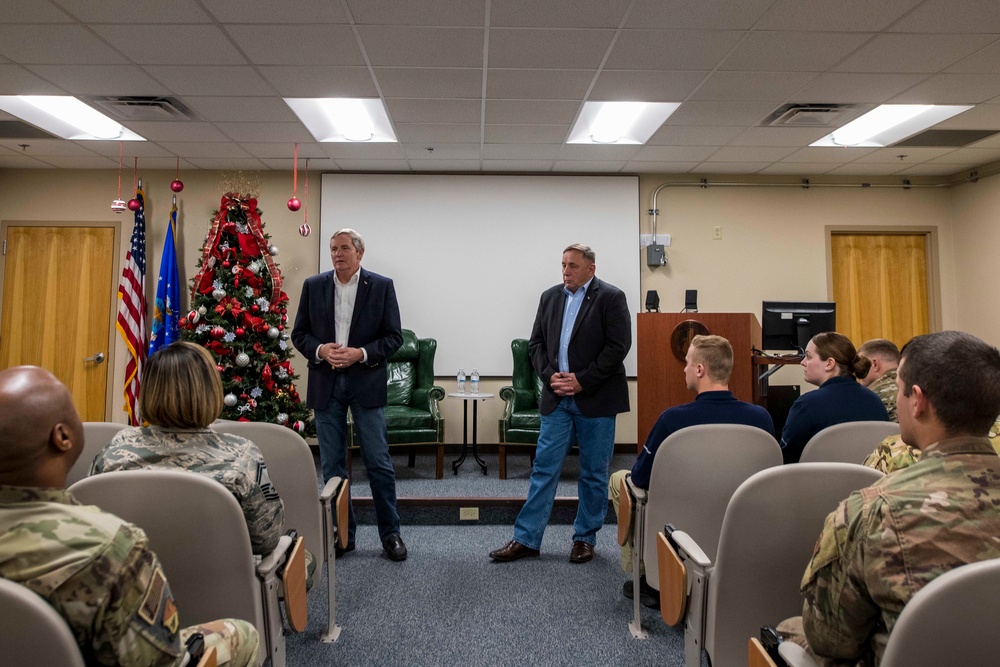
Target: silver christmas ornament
[
  {"x": 218, "y": 294},
  {"x": 272, "y": 250},
  {"x": 273, "y": 333},
  {"x": 202, "y": 310},
  {"x": 230, "y": 400},
  {"x": 282, "y": 418},
  {"x": 242, "y": 359}
]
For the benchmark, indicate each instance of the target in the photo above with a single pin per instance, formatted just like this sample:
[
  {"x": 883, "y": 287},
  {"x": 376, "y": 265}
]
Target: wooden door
[
  {"x": 880, "y": 285},
  {"x": 57, "y": 299}
]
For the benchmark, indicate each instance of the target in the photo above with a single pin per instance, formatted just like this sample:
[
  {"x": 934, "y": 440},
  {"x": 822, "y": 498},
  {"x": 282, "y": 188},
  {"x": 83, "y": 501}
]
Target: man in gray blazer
[
  {"x": 582, "y": 332},
  {"x": 347, "y": 327}
]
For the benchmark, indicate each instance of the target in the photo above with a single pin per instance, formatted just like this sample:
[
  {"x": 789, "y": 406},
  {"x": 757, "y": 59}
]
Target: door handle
[{"x": 97, "y": 358}]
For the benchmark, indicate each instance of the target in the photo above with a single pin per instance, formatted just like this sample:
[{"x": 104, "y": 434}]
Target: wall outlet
[
  {"x": 717, "y": 232},
  {"x": 468, "y": 514}
]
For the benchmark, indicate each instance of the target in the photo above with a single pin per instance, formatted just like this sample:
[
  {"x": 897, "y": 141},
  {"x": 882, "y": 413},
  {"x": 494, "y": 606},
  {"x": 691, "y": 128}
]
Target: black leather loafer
[{"x": 394, "y": 547}]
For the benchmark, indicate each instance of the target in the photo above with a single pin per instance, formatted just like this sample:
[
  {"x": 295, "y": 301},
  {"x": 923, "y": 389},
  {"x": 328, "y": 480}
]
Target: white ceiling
[{"x": 494, "y": 85}]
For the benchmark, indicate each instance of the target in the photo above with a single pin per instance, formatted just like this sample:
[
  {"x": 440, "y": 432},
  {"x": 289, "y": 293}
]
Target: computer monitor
[{"x": 788, "y": 325}]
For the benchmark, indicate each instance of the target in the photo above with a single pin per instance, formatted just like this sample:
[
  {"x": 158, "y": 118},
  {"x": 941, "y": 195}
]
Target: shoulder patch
[
  {"x": 154, "y": 595},
  {"x": 264, "y": 482}
]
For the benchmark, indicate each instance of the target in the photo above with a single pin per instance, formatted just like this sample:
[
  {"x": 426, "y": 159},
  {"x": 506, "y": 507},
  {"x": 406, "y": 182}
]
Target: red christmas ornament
[
  {"x": 255, "y": 308},
  {"x": 298, "y": 426},
  {"x": 225, "y": 264},
  {"x": 305, "y": 230},
  {"x": 217, "y": 332},
  {"x": 284, "y": 318},
  {"x": 193, "y": 317},
  {"x": 176, "y": 185},
  {"x": 134, "y": 205},
  {"x": 294, "y": 204},
  {"x": 240, "y": 332},
  {"x": 281, "y": 328},
  {"x": 219, "y": 368}
]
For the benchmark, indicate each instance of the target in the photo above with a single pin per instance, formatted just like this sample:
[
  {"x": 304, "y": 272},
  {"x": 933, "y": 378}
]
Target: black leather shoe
[
  {"x": 338, "y": 552},
  {"x": 512, "y": 551},
  {"x": 394, "y": 547},
  {"x": 648, "y": 596},
  {"x": 581, "y": 552}
]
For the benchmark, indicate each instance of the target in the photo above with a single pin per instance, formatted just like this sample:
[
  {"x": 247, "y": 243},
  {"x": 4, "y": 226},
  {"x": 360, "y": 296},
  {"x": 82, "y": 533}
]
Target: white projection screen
[{"x": 471, "y": 254}]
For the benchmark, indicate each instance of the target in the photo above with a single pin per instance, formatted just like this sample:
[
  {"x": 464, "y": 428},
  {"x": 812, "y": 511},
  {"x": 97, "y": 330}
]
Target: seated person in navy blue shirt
[
  {"x": 832, "y": 364},
  {"x": 708, "y": 366}
]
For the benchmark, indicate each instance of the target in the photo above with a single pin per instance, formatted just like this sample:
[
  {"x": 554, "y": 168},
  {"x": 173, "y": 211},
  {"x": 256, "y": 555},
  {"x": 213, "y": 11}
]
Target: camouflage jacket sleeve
[
  {"x": 839, "y": 614},
  {"x": 262, "y": 507},
  {"x": 135, "y": 621},
  {"x": 892, "y": 454}
]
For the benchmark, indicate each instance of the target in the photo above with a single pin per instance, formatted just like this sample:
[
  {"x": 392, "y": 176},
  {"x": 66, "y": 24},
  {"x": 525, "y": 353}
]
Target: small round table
[{"x": 474, "y": 399}]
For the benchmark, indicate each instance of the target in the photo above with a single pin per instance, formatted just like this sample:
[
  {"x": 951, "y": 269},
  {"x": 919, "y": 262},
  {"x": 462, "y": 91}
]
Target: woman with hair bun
[{"x": 832, "y": 364}]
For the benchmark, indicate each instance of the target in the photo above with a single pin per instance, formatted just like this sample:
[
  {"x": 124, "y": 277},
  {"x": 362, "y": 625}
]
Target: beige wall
[{"x": 773, "y": 245}]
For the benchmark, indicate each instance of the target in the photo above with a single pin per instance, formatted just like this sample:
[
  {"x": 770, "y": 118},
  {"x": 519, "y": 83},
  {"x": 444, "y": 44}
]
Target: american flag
[{"x": 132, "y": 310}]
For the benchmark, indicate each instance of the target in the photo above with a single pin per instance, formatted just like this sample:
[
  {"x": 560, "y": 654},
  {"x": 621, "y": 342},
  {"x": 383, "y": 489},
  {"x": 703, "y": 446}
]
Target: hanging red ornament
[
  {"x": 294, "y": 204},
  {"x": 177, "y": 184},
  {"x": 193, "y": 317},
  {"x": 220, "y": 369},
  {"x": 240, "y": 332},
  {"x": 217, "y": 332},
  {"x": 225, "y": 264},
  {"x": 255, "y": 308},
  {"x": 134, "y": 205},
  {"x": 305, "y": 230}
]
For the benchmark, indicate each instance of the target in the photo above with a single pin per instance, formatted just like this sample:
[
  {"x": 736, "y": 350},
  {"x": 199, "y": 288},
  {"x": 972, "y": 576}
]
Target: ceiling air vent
[
  {"x": 811, "y": 115},
  {"x": 142, "y": 108}
]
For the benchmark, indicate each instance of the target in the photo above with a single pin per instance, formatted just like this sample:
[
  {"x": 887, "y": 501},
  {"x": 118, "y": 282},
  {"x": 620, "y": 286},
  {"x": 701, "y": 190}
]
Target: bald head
[{"x": 41, "y": 435}]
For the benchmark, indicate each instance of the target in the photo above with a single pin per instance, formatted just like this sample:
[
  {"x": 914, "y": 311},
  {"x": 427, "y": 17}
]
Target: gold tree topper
[{"x": 240, "y": 184}]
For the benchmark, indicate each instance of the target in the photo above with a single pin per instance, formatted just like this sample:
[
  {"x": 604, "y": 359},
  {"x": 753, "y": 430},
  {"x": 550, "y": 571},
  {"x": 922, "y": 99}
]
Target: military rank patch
[
  {"x": 264, "y": 482},
  {"x": 154, "y": 595},
  {"x": 171, "y": 618}
]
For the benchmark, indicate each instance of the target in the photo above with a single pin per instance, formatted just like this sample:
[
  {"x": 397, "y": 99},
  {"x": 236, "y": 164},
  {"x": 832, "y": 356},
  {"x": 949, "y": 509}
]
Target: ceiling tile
[
  {"x": 694, "y": 14},
  {"x": 577, "y": 166},
  {"x": 289, "y": 11},
  {"x": 18, "y": 11},
  {"x": 445, "y": 165},
  {"x": 209, "y": 79},
  {"x": 912, "y": 53},
  {"x": 126, "y": 11},
  {"x": 530, "y": 111},
  {"x": 220, "y": 164},
  {"x": 373, "y": 165},
  {"x": 243, "y": 109},
  {"x": 548, "y": 49},
  {"x": 827, "y": 154},
  {"x": 140, "y": 149},
  {"x": 547, "y": 84},
  {"x": 81, "y": 162},
  {"x": 46, "y": 147},
  {"x": 779, "y": 136},
  {"x": 968, "y": 16},
  {"x": 600, "y": 153},
  {"x": 671, "y": 49},
  {"x": 750, "y": 154},
  {"x": 320, "y": 44},
  {"x": 419, "y": 12},
  {"x": 731, "y": 167},
  {"x": 172, "y": 44},
  {"x": 974, "y": 156},
  {"x": 660, "y": 167},
  {"x": 205, "y": 149},
  {"x": 318, "y": 165},
  {"x": 381, "y": 151},
  {"x": 952, "y": 89},
  {"x": 673, "y": 153},
  {"x": 432, "y": 133},
  {"x": 986, "y": 61},
  {"x": 521, "y": 152},
  {"x": 856, "y": 87},
  {"x": 101, "y": 79},
  {"x": 752, "y": 86},
  {"x": 318, "y": 81},
  {"x": 846, "y": 15},
  {"x": 867, "y": 169},
  {"x": 556, "y": 13},
  {"x": 913, "y": 154},
  {"x": 521, "y": 166},
  {"x": 290, "y": 132},
  {"x": 535, "y": 133},
  {"x": 9, "y": 161},
  {"x": 434, "y": 111},
  {"x": 442, "y": 152},
  {"x": 275, "y": 151},
  {"x": 645, "y": 85},
  {"x": 694, "y": 135},
  {"x": 981, "y": 117},
  {"x": 56, "y": 45},
  {"x": 177, "y": 131},
  {"x": 720, "y": 113},
  {"x": 16, "y": 80},
  {"x": 437, "y": 82},
  {"x": 792, "y": 51},
  {"x": 928, "y": 170},
  {"x": 399, "y": 46},
  {"x": 802, "y": 169}
]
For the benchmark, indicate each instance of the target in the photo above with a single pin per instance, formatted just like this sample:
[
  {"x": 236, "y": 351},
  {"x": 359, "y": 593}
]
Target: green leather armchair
[
  {"x": 521, "y": 422},
  {"x": 412, "y": 416}
]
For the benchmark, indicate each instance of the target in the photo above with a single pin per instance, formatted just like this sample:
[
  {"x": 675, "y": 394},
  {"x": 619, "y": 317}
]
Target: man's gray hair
[
  {"x": 584, "y": 250},
  {"x": 359, "y": 243}
]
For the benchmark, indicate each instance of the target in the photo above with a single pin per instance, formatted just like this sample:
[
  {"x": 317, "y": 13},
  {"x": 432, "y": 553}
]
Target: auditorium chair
[
  {"x": 412, "y": 415},
  {"x": 695, "y": 472},
  {"x": 321, "y": 518},
  {"x": 850, "y": 442},
  {"x": 95, "y": 436},
  {"x": 206, "y": 555},
  {"x": 33, "y": 631},
  {"x": 767, "y": 538},
  {"x": 950, "y": 621},
  {"x": 521, "y": 421}
]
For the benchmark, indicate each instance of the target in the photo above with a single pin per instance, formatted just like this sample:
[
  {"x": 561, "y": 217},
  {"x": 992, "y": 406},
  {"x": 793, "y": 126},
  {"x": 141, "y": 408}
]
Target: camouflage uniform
[
  {"x": 893, "y": 454},
  {"x": 97, "y": 571},
  {"x": 886, "y": 542},
  {"x": 234, "y": 462},
  {"x": 885, "y": 388}
]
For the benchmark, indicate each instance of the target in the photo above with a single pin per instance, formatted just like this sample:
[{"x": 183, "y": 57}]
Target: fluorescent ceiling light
[
  {"x": 66, "y": 117},
  {"x": 619, "y": 122},
  {"x": 344, "y": 118},
  {"x": 889, "y": 123}
]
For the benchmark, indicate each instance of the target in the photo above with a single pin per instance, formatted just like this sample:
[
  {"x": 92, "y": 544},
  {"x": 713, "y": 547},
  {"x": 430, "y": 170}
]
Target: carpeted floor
[{"x": 448, "y": 604}]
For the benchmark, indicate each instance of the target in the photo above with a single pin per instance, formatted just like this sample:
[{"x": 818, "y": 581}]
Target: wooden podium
[{"x": 660, "y": 380}]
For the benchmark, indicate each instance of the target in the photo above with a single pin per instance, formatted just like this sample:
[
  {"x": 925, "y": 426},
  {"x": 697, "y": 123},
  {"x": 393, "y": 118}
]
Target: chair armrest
[
  {"x": 690, "y": 549},
  {"x": 330, "y": 490},
  {"x": 640, "y": 495},
  {"x": 427, "y": 398},
  {"x": 795, "y": 656},
  {"x": 271, "y": 562},
  {"x": 517, "y": 399}
]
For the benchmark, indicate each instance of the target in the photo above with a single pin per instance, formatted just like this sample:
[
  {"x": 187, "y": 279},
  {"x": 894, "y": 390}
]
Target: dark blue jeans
[{"x": 369, "y": 424}]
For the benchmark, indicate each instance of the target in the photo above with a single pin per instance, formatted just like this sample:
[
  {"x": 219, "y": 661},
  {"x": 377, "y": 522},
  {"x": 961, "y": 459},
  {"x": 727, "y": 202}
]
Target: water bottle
[
  {"x": 475, "y": 381},
  {"x": 461, "y": 381}
]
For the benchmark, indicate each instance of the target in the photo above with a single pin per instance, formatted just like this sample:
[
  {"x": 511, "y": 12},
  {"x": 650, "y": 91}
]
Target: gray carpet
[{"x": 448, "y": 604}]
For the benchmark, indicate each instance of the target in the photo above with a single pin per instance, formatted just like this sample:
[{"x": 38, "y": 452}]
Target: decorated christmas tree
[{"x": 240, "y": 313}]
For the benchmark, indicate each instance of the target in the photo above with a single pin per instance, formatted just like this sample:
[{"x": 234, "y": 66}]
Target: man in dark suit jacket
[
  {"x": 582, "y": 332},
  {"x": 347, "y": 327}
]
